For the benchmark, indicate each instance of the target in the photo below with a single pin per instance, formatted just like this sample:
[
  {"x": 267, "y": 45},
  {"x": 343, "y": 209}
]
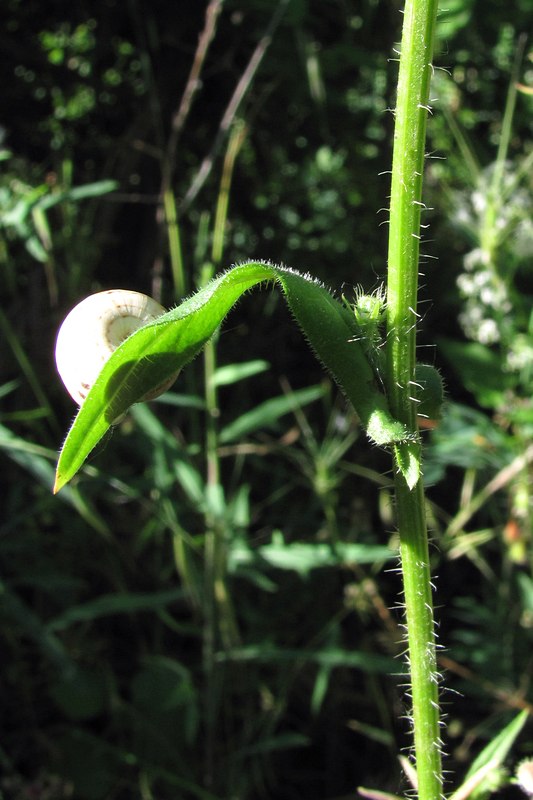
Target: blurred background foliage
[{"x": 210, "y": 610}]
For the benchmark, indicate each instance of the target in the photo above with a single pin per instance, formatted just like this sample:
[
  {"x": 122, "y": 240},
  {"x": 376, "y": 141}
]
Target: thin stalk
[
  {"x": 490, "y": 235},
  {"x": 26, "y": 367},
  {"x": 211, "y": 561},
  {"x": 403, "y": 259},
  {"x": 174, "y": 243},
  {"x": 218, "y": 611},
  {"x": 466, "y": 150},
  {"x": 179, "y": 118},
  {"x": 243, "y": 85},
  {"x": 215, "y": 559},
  {"x": 237, "y": 136},
  {"x": 500, "y": 480},
  {"x": 507, "y": 122},
  {"x": 166, "y": 214}
]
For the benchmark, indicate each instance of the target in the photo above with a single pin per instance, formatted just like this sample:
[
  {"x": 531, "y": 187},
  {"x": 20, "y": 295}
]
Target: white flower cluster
[
  {"x": 497, "y": 221},
  {"x": 524, "y": 776},
  {"x": 520, "y": 354},
  {"x": 486, "y": 298}
]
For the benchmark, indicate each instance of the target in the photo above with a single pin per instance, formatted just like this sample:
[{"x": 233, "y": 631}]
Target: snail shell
[{"x": 94, "y": 329}]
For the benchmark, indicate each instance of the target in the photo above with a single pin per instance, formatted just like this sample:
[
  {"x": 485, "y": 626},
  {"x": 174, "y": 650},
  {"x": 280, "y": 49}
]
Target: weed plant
[{"x": 206, "y": 611}]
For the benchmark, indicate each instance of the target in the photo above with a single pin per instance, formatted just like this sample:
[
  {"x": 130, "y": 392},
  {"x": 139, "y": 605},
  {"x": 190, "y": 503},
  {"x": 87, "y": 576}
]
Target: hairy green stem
[{"x": 403, "y": 260}]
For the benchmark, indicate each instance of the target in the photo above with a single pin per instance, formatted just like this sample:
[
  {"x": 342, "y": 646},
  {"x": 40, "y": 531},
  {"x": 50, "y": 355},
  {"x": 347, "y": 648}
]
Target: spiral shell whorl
[{"x": 93, "y": 330}]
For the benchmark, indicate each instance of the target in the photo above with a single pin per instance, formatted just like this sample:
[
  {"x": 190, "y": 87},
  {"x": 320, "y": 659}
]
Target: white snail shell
[{"x": 94, "y": 329}]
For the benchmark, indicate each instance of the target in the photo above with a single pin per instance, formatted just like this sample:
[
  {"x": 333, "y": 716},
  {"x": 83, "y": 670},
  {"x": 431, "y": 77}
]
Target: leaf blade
[{"x": 161, "y": 348}]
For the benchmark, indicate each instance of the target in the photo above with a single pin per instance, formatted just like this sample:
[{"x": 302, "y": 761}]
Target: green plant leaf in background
[
  {"x": 485, "y": 774},
  {"x": 161, "y": 348},
  {"x": 303, "y": 557},
  {"x": 479, "y": 370}
]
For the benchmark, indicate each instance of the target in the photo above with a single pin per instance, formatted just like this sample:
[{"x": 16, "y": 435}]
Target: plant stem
[
  {"x": 220, "y": 626},
  {"x": 421, "y": 638},
  {"x": 403, "y": 259},
  {"x": 406, "y": 202},
  {"x": 174, "y": 242}
]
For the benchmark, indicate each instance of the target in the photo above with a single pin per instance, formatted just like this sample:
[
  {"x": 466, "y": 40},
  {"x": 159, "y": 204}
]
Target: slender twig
[
  {"x": 193, "y": 84},
  {"x": 233, "y": 106},
  {"x": 235, "y": 143},
  {"x": 512, "y": 699},
  {"x": 500, "y": 480},
  {"x": 220, "y": 625},
  {"x": 166, "y": 215},
  {"x": 507, "y": 122}
]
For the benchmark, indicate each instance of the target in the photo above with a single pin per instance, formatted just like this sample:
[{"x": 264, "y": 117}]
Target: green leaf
[
  {"x": 407, "y": 456},
  {"x": 231, "y": 373},
  {"x": 525, "y": 584},
  {"x": 78, "y": 193},
  {"x": 484, "y": 774},
  {"x": 160, "y": 349},
  {"x": 375, "y": 794},
  {"x": 112, "y": 604},
  {"x": 330, "y": 657},
  {"x": 265, "y": 414},
  {"x": 304, "y": 557},
  {"x": 272, "y": 744},
  {"x": 479, "y": 370},
  {"x": 32, "y": 627},
  {"x": 37, "y": 461},
  {"x": 80, "y": 693},
  {"x": 431, "y": 392}
]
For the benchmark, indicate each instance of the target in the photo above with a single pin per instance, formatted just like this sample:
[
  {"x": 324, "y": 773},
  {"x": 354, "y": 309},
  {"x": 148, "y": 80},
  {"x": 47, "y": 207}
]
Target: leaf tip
[{"x": 407, "y": 456}]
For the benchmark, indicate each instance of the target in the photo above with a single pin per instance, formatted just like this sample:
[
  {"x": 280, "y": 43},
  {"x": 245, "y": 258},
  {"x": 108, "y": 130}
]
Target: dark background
[{"x": 120, "y": 679}]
